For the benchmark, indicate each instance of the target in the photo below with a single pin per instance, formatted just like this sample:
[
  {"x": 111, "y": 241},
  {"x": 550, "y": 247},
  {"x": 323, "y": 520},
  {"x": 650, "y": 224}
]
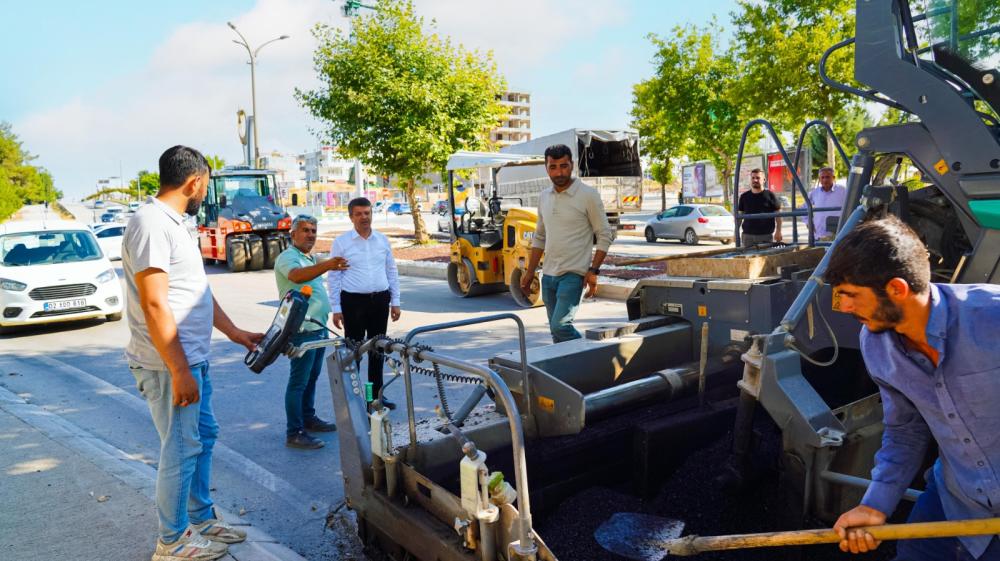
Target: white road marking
[{"x": 231, "y": 458}]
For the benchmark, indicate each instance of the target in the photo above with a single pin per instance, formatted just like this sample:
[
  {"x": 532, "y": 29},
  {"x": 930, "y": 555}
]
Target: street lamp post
[
  {"x": 352, "y": 9},
  {"x": 253, "y": 84}
]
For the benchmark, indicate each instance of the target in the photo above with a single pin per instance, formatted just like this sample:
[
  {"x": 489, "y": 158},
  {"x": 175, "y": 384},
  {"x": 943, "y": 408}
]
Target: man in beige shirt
[{"x": 570, "y": 217}]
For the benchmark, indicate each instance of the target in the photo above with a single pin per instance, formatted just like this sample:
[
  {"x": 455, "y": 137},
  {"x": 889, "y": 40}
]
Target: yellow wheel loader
[{"x": 490, "y": 238}]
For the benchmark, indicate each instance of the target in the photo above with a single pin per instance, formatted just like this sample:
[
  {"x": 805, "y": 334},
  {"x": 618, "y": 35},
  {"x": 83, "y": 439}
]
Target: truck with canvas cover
[{"x": 607, "y": 160}]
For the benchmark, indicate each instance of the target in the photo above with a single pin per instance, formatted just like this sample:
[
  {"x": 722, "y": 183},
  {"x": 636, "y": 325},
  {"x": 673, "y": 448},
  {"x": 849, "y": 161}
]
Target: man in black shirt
[{"x": 759, "y": 200}]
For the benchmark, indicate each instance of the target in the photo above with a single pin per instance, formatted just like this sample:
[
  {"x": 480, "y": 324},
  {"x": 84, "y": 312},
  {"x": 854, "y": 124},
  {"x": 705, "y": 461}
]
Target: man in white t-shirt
[{"x": 171, "y": 312}]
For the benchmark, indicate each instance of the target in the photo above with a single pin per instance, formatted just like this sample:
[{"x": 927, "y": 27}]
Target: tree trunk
[
  {"x": 419, "y": 230},
  {"x": 663, "y": 197}
]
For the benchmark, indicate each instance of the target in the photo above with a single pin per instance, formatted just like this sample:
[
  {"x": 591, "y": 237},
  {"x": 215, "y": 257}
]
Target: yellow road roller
[{"x": 490, "y": 235}]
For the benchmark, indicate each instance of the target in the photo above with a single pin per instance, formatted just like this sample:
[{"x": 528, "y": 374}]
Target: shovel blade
[{"x": 638, "y": 536}]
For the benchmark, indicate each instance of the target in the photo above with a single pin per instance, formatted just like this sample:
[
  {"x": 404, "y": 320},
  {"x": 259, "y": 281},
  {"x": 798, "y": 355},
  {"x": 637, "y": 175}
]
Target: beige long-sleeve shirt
[{"x": 568, "y": 223}]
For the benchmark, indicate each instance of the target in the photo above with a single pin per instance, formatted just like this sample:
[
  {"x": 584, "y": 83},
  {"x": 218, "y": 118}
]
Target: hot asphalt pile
[{"x": 692, "y": 494}]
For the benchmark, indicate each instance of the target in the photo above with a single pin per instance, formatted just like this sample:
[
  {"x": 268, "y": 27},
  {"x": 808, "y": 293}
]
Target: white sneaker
[
  {"x": 218, "y": 530},
  {"x": 191, "y": 545}
]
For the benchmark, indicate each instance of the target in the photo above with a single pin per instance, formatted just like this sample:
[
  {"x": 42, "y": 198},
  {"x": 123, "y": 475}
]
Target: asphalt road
[{"x": 77, "y": 371}]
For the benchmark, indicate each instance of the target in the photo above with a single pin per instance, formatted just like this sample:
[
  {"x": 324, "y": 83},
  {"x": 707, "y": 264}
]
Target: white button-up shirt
[
  {"x": 826, "y": 199},
  {"x": 371, "y": 268}
]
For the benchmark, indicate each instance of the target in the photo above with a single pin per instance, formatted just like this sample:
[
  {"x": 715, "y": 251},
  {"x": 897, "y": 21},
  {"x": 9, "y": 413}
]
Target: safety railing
[{"x": 797, "y": 185}]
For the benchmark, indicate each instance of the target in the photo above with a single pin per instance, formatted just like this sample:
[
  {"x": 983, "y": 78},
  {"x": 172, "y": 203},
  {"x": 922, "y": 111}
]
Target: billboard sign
[
  {"x": 779, "y": 178},
  {"x": 700, "y": 180}
]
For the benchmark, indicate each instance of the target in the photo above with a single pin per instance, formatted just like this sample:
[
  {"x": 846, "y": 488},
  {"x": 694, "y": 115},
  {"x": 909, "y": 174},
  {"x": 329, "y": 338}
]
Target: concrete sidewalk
[{"x": 70, "y": 495}]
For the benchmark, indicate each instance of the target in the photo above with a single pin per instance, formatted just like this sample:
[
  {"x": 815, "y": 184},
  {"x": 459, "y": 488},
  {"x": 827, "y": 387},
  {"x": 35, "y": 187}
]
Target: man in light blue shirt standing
[
  {"x": 827, "y": 195},
  {"x": 297, "y": 267},
  {"x": 931, "y": 349}
]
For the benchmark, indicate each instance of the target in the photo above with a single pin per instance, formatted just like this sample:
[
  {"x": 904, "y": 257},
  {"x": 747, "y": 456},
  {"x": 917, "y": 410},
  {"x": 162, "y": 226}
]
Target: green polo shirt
[{"x": 319, "y": 302}]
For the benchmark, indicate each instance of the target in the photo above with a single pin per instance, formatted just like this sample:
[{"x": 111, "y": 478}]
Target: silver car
[{"x": 692, "y": 223}]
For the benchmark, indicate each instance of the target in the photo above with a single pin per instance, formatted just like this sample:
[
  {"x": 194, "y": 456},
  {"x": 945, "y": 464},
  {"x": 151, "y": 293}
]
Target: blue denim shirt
[{"x": 956, "y": 403}]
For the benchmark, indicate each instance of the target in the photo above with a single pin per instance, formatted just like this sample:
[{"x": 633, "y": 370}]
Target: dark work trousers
[
  {"x": 930, "y": 509},
  {"x": 365, "y": 316}
]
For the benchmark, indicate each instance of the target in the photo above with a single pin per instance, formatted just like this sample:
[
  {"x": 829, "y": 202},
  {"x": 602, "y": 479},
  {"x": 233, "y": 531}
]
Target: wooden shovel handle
[{"x": 692, "y": 545}]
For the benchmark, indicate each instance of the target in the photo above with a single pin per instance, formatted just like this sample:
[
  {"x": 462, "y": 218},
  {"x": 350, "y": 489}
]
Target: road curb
[
  {"x": 611, "y": 289},
  {"x": 134, "y": 473},
  {"x": 426, "y": 269}
]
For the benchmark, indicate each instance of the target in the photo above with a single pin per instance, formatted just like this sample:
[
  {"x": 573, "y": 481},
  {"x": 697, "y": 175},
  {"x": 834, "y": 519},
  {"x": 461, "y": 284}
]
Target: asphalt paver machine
[{"x": 699, "y": 355}]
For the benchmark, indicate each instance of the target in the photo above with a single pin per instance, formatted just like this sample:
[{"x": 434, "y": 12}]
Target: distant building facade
[{"x": 515, "y": 126}]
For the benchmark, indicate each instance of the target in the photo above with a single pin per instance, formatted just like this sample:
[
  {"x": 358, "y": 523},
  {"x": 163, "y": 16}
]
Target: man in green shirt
[{"x": 293, "y": 269}]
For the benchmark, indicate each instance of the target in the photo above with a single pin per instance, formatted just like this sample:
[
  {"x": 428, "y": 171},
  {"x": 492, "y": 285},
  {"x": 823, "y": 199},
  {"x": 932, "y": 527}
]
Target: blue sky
[{"x": 89, "y": 87}]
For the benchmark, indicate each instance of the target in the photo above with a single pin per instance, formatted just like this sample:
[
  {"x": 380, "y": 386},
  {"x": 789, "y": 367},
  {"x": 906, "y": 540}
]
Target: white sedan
[
  {"x": 109, "y": 237},
  {"x": 54, "y": 271}
]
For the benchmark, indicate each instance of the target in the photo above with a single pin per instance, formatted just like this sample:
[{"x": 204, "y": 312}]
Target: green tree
[
  {"x": 694, "y": 105},
  {"x": 20, "y": 182},
  {"x": 401, "y": 98},
  {"x": 778, "y": 44},
  {"x": 150, "y": 183},
  {"x": 661, "y": 173},
  {"x": 215, "y": 161},
  {"x": 847, "y": 124}
]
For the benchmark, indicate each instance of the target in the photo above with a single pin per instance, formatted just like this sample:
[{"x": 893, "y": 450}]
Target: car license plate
[
  {"x": 64, "y": 304},
  {"x": 724, "y": 233},
  {"x": 628, "y": 226}
]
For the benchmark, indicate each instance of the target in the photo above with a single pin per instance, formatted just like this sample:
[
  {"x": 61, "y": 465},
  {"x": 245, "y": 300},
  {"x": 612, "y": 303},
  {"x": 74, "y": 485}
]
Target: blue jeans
[
  {"x": 300, "y": 395},
  {"x": 929, "y": 509},
  {"x": 562, "y": 295},
  {"x": 187, "y": 436}
]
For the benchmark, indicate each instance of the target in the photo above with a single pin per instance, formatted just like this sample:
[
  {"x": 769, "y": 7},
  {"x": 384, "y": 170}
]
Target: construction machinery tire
[
  {"x": 236, "y": 255},
  {"x": 257, "y": 254},
  {"x": 272, "y": 248},
  {"x": 462, "y": 280},
  {"x": 525, "y": 300}
]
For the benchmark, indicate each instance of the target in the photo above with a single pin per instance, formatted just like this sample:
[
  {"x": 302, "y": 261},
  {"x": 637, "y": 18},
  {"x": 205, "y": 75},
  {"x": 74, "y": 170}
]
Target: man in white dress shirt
[
  {"x": 827, "y": 195},
  {"x": 363, "y": 296}
]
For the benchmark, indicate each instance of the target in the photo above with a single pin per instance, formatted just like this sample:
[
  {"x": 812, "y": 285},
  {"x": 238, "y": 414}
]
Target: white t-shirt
[{"x": 158, "y": 237}]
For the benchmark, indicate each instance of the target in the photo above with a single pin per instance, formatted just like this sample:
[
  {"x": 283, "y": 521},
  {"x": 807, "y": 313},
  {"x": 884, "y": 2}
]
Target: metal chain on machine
[{"x": 434, "y": 372}]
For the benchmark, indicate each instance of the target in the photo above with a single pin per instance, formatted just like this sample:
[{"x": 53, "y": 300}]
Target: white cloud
[{"x": 194, "y": 82}]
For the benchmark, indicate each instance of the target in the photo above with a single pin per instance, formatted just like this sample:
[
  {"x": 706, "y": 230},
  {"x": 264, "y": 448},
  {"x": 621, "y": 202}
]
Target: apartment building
[{"x": 515, "y": 127}]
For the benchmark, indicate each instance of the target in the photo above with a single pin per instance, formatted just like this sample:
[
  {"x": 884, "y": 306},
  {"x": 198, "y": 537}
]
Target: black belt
[{"x": 364, "y": 295}]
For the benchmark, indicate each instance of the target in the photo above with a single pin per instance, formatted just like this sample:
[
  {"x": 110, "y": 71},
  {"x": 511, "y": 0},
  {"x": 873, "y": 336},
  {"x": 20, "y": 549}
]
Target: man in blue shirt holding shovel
[{"x": 933, "y": 352}]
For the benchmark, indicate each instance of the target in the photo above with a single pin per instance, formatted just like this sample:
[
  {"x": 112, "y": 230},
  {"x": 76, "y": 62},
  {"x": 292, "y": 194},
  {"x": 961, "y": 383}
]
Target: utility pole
[{"x": 253, "y": 84}]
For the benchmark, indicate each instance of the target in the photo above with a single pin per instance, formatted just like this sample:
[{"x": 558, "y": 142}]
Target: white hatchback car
[{"x": 54, "y": 271}]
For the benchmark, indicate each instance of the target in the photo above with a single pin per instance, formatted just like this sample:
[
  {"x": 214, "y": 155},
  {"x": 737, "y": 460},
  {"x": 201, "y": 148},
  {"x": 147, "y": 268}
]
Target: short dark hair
[
  {"x": 179, "y": 163},
  {"x": 756, "y": 170},
  {"x": 877, "y": 251},
  {"x": 360, "y": 201},
  {"x": 558, "y": 152}
]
